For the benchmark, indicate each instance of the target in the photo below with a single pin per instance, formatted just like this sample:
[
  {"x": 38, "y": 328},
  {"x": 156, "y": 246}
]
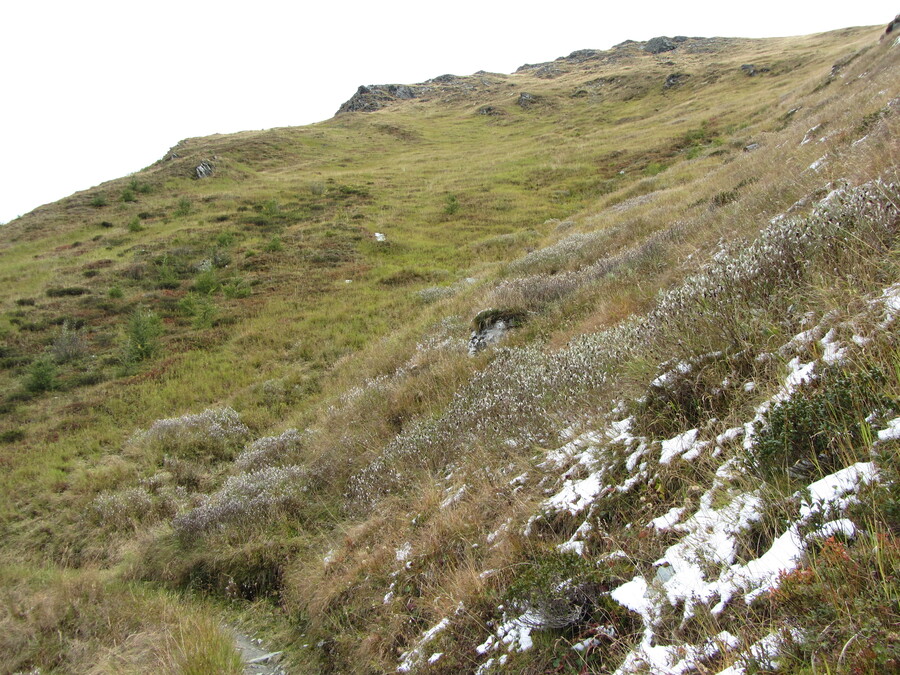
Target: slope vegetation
[{"x": 587, "y": 368}]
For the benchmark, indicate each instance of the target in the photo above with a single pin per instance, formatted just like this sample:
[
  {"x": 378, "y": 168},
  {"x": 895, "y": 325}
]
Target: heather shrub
[
  {"x": 534, "y": 291},
  {"x": 69, "y": 344},
  {"x": 434, "y": 293},
  {"x": 526, "y": 394},
  {"x": 271, "y": 451},
  {"x": 572, "y": 249},
  {"x": 213, "y": 434},
  {"x": 245, "y": 499},
  {"x": 123, "y": 507}
]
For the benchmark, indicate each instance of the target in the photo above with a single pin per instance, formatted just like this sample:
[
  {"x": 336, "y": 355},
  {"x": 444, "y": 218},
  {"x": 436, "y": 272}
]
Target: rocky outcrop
[
  {"x": 204, "y": 169},
  {"x": 675, "y": 79},
  {"x": 491, "y": 325},
  {"x": 661, "y": 44},
  {"x": 527, "y": 100},
  {"x": 752, "y": 70},
  {"x": 375, "y": 96}
]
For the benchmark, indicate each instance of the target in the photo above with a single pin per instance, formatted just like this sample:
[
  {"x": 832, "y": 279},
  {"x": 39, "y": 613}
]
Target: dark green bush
[
  {"x": 61, "y": 291},
  {"x": 184, "y": 207},
  {"x": 41, "y": 376},
  {"x": 11, "y": 436},
  {"x": 566, "y": 591},
  {"x": 452, "y": 205},
  {"x": 511, "y": 316},
  {"x": 207, "y": 282},
  {"x": 142, "y": 335},
  {"x": 821, "y": 426}
]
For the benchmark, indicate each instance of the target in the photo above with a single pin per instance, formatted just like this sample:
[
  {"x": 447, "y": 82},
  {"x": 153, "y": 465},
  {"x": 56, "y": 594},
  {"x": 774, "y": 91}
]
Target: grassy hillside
[{"x": 249, "y": 398}]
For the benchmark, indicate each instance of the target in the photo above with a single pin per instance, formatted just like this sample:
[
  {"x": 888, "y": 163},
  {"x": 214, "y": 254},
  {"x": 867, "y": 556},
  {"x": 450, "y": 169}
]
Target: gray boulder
[
  {"x": 675, "y": 79},
  {"x": 527, "y": 100},
  {"x": 752, "y": 70},
  {"x": 658, "y": 45}
]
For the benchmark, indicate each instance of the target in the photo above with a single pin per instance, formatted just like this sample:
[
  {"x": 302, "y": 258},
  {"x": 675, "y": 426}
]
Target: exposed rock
[
  {"x": 492, "y": 334},
  {"x": 697, "y": 45},
  {"x": 582, "y": 55},
  {"x": 527, "y": 100},
  {"x": 376, "y": 96},
  {"x": 751, "y": 147},
  {"x": 490, "y": 111},
  {"x": 675, "y": 79},
  {"x": 491, "y": 325},
  {"x": 892, "y": 27},
  {"x": 546, "y": 71},
  {"x": 752, "y": 70},
  {"x": 204, "y": 169},
  {"x": 661, "y": 44},
  {"x": 444, "y": 79}
]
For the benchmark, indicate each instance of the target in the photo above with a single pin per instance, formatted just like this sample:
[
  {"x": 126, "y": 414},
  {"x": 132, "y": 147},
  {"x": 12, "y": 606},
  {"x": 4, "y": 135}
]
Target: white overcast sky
[{"x": 92, "y": 90}]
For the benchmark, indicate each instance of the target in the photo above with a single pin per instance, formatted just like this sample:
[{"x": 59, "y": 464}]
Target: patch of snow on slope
[
  {"x": 677, "y": 445},
  {"x": 411, "y": 659}
]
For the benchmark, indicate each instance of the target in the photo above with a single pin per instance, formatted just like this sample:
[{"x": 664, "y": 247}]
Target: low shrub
[
  {"x": 270, "y": 451},
  {"x": 511, "y": 316},
  {"x": 236, "y": 288},
  {"x": 183, "y": 207},
  {"x": 41, "y": 376},
  {"x": 142, "y": 335},
  {"x": 212, "y": 434},
  {"x": 63, "y": 291},
  {"x": 246, "y": 499},
  {"x": 207, "y": 282},
  {"x": 819, "y": 426},
  {"x": 12, "y": 436},
  {"x": 69, "y": 344}
]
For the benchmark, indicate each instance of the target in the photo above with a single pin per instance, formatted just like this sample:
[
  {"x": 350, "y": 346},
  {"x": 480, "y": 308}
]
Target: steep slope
[{"x": 245, "y": 374}]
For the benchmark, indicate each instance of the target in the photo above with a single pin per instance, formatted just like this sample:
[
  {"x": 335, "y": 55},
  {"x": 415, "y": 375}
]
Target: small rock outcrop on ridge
[
  {"x": 375, "y": 96},
  {"x": 658, "y": 45}
]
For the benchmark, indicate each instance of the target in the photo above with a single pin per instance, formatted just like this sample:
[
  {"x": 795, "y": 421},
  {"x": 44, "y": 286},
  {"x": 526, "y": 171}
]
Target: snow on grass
[
  {"x": 702, "y": 566},
  {"x": 677, "y": 445},
  {"x": 409, "y": 660},
  {"x": 514, "y": 633},
  {"x": 892, "y": 432}
]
